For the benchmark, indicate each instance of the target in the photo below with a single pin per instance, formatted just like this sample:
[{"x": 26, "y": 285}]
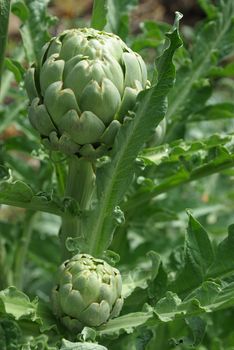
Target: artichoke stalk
[
  {"x": 88, "y": 292},
  {"x": 85, "y": 85}
]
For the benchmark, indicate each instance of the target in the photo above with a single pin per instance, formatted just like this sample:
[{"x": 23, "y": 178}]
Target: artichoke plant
[
  {"x": 86, "y": 83},
  {"x": 88, "y": 292}
]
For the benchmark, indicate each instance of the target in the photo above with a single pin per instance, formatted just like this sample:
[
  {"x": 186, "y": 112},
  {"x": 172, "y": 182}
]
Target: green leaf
[
  {"x": 226, "y": 71},
  {"x": 17, "y": 191},
  {"x": 208, "y": 297},
  {"x": 167, "y": 307},
  {"x": 34, "y": 32},
  {"x": 118, "y": 16},
  {"x": 153, "y": 35},
  {"x": 67, "y": 345},
  {"x": 223, "y": 110},
  {"x": 166, "y": 310},
  {"x": 16, "y": 68},
  {"x": 126, "y": 323},
  {"x": 20, "y": 10},
  {"x": 114, "y": 178},
  {"x": 198, "y": 328},
  {"x": 208, "y": 8},
  {"x": 214, "y": 40},
  {"x": 213, "y": 296},
  {"x": 99, "y": 14},
  {"x": 148, "y": 285},
  {"x": 10, "y": 334},
  {"x": 4, "y": 19},
  {"x": 158, "y": 286},
  {"x": 11, "y": 112},
  {"x": 39, "y": 342},
  {"x": 45, "y": 318},
  {"x": 224, "y": 262},
  {"x": 19, "y": 194},
  {"x": 18, "y": 304},
  {"x": 198, "y": 256},
  {"x": 172, "y": 165},
  {"x": 139, "y": 277}
]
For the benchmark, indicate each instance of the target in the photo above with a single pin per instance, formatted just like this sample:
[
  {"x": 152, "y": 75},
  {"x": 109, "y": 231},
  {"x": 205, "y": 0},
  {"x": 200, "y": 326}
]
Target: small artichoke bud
[
  {"x": 86, "y": 81},
  {"x": 88, "y": 292}
]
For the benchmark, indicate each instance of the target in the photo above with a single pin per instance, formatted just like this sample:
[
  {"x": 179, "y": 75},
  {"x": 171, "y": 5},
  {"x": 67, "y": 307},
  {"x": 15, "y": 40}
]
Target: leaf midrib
[{"x": 106, "y": 199}]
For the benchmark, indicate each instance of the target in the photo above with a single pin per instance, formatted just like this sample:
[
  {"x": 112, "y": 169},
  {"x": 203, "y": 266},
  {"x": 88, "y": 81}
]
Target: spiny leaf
[{"x": 113, "y": 179}]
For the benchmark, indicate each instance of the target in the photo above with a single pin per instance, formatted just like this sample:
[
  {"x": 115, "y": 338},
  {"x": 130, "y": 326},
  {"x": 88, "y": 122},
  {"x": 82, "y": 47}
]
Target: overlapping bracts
[
  {"x": 88, "y": 292},
  {"x": 84, "y": 87}
]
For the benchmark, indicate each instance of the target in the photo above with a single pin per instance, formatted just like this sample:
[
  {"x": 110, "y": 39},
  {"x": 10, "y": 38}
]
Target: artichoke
[
  {"x": 88, "y": 292},
  {"x": 86, "y": 83}
]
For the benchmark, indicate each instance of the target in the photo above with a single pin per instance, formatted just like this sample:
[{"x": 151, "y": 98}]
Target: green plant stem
[
  {"x": 79, "y": 186},
  {"x": 5, "y": 6},
  {"x": 22, "y": 249}
]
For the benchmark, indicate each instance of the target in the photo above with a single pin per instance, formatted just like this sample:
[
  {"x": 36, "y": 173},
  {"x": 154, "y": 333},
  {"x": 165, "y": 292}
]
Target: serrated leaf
[
  {"x": 212, "y": 295},
  {"x": 167, "y": 307},
  {"x": 19, "y": 194},
  {"x": 224, "y": 261},
  {"x": 114, "y": 178},
  {"x": 18, "y": 304},
  {"x": 206, "y": 293},
  {"x": 172, "y": 165},
  {"x": 208, "y": 297},
  {"x": 198, "y": 256},
  {"x": 18, "y": 191},
  {"x": 67, "y": 345},
  {"x": 214, "y": 40},
  {"x": 125, "y": 324},
  {"x": 139, "y": 277}
]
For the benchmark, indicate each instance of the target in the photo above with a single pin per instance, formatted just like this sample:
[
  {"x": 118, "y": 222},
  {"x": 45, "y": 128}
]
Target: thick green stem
[
  {"x": 22, "y": 249},
  {"x": 80, "y": 184}
]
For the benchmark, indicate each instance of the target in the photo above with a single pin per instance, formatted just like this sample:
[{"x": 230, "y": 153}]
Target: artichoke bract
[
  {"x": 88, "y": 292},
  {"x": 86, "y": 83}
]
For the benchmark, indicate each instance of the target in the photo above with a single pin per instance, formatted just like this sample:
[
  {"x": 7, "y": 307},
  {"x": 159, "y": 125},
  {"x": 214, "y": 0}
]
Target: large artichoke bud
[
  {"x": 86, "y": 83},
  {"x": 88, "y": 292}
]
